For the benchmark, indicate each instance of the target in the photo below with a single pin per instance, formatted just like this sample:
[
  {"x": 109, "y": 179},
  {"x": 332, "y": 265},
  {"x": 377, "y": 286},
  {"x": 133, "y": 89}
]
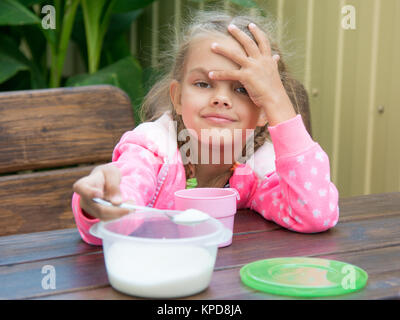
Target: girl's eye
[
  {"x": 202, "y": 84},
  {"x": 241, "y": 90}
]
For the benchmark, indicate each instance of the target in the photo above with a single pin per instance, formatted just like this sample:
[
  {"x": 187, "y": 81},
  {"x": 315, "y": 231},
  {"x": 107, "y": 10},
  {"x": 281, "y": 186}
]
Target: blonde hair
[{"x": 157, "y": 101}]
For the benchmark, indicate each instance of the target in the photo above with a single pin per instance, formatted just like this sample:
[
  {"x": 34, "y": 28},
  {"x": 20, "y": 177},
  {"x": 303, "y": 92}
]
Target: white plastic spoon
[{"x": 187, "y": 217}]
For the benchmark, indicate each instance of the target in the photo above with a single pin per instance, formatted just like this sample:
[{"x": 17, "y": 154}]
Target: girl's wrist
[{"x": 279, "y": 111}]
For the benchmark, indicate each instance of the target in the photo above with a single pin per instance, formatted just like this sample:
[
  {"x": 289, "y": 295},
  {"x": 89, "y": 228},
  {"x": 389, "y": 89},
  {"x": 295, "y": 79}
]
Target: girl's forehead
[
  {"x": 208, "y": 38},
  {"x": 200, "y": 49}
]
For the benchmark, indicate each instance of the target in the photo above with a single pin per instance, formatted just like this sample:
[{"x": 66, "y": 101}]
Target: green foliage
[{"x": 100, "y": 30}]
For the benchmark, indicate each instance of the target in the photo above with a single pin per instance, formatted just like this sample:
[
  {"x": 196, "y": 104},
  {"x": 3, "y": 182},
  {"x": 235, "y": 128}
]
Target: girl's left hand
[{"x": 258, "y": 73}]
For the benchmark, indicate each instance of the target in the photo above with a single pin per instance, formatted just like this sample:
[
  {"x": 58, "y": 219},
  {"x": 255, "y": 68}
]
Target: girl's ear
[{"x": 175, "y": 95}]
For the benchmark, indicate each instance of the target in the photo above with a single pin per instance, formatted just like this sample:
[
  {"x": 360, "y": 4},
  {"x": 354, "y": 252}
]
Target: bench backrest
[{"x": 62, "y": 132}]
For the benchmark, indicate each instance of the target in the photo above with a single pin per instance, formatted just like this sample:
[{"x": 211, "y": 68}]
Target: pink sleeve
[
  {"x": 299, "y": 194},
  {"x": 83, "y": 223},
  {"x": 139, "y": 168}
]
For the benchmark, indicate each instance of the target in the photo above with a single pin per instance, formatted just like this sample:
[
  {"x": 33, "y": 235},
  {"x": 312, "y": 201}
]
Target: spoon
[{"x": 187, "y": 217}]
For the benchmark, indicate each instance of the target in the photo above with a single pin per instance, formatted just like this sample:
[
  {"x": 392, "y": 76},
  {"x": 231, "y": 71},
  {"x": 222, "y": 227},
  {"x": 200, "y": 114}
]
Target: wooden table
[{"x": 367, "y": 235}]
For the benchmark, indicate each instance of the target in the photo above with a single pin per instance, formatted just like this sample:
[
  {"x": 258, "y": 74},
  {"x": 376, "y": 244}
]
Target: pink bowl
[{"x": 219, "y": 203}]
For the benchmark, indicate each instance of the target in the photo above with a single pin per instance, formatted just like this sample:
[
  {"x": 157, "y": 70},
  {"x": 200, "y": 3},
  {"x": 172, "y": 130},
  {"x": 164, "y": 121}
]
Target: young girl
[{"x": 227, "y": 77}]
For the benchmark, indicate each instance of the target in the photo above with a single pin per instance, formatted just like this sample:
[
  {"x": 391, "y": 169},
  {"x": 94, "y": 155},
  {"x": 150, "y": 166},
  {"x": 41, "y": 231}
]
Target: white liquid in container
[{"x": 159, "y": 271}]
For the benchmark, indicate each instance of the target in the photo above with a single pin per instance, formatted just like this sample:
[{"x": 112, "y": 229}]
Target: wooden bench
[{"x": 49, "y": 139}]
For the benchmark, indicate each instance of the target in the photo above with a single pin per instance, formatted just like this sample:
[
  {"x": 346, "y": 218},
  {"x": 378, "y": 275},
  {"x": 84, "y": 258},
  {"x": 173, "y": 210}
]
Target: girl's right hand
[{"x": 103, "y": 182}]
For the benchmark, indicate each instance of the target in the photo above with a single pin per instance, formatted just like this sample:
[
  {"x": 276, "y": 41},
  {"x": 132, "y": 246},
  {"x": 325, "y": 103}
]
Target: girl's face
[{"x": 202, "y": 101}]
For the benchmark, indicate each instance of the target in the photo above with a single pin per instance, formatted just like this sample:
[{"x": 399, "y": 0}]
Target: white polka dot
[
  {"x": 300, "y": 159},
  {"x": 314, "y": 171},
  {"x": 292, "y": 173},
  {"x": 290, "y": 210},
  {"x": 298, "y": 219},
  {"x": 332, "y": 207},
  {"x": 322, "y": 192},
  {"x": 307, "y": 185},
  {"x": 240, "y": 185},
  {"x": 327, "y": 177},
  {"x": 301, "y": 202},
  {"x": 286, "y": 220},
  {"x": 326, "y": 223},
  {"x": 319, "y": 156},
  {"x": 254, "y": 203},
  {"x": 275, "y": 202},
  {"x": 281, "y": 206},
  {"x": 316, "y": 213}
]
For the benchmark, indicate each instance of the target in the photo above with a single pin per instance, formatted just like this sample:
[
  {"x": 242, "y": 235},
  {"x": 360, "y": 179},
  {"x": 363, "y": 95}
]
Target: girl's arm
[
  {"x": 299, "y": 194},
  {"x": 139, "y": 168}
]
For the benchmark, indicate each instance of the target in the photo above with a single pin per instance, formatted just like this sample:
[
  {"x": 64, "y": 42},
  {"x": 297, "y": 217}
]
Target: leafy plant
[{"x": 98, "y": 27}]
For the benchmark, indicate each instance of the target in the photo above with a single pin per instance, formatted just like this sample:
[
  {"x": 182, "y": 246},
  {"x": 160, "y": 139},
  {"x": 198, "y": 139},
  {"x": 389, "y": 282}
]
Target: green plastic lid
[{"x": 303, "y": 277}]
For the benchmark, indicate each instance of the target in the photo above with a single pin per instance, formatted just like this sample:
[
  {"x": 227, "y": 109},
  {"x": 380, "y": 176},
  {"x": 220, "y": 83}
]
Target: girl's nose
[{"x": 221, "y": 101}]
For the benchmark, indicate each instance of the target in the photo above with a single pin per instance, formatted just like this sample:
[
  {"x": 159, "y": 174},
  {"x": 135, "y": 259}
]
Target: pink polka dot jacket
[{"x": 286, "y": 181}]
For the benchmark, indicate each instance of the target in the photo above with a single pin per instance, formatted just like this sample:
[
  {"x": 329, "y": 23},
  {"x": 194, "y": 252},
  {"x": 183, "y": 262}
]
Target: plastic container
[
  {"x": 219, "y": 203},
  {"x": 147, "y": 255}
]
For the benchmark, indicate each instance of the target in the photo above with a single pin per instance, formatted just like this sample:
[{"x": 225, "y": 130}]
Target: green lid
[
  {"x": 303, "y": 277},
  {"x": 191, "y": 183}
]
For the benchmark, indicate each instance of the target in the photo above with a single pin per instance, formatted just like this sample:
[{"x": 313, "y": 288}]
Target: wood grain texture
[
  {"x": 372, "y": 244},
  {"x": 48, "y": 129},
  {"x": 59, "y": 127},
  {"x": 38, "y": 201}
]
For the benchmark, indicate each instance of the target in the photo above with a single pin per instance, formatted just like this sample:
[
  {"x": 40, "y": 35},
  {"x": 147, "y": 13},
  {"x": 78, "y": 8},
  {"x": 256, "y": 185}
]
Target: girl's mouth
[{"x": 218, "y": 120}]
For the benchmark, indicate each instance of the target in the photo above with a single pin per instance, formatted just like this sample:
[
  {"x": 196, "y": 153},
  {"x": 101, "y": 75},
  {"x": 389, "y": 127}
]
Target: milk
[{"x": 159, "y": 271}]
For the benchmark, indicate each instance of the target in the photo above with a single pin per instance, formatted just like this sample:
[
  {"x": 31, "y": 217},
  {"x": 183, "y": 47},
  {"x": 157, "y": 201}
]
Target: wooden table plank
[
  {"x": 59, "y": 243},
  {"x": 383, "y": 281},
  {"x": 345, "y": 237},
  {"x": 369, "y": 206},
  {"x": 43, "y": 245},
  {"x": 368, "y": 228},
  {"x": 80, "y": 272}
]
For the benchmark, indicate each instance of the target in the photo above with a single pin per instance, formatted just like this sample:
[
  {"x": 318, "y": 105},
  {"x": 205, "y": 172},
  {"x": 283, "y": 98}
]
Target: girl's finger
[
  {"x": 261, "y": 38},
  {"x": 238, "y": 58},
  {"x": 112, "y": 178},
  {"x": 247, "y": 43},
  {"x": 276, "y": 57},
  {"x": 102, "y": 212},
  {"x": 84, "y": 188},
  {"x": 234, "y": 75},
  {"x": 107, "y": 214}
]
